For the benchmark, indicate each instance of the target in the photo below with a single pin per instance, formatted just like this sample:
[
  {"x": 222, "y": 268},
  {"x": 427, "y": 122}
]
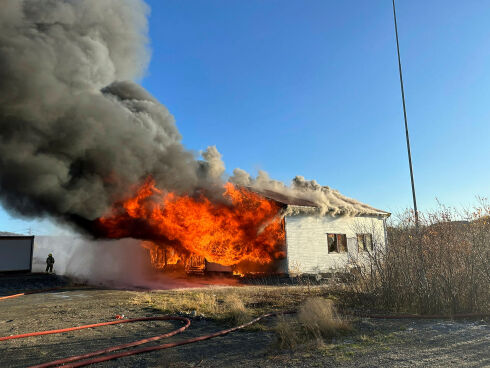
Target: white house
[{"x": 321, "y": 243}]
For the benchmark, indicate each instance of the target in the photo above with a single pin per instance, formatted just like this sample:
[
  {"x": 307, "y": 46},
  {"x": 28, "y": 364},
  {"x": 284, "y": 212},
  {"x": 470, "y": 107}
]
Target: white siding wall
[{"x": 306, "y": 239}]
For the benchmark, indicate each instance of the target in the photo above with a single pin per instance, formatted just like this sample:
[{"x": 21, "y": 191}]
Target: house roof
[
  {"x": 284, "y": 199},
  {"x": 299, "y": 205}
]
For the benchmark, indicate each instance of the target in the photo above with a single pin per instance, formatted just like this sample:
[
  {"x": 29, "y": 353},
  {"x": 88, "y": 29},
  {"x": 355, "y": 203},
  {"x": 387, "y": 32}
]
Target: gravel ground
[
  {"x": 15, "y": 283},
  {"x": 375, "y": 343}
]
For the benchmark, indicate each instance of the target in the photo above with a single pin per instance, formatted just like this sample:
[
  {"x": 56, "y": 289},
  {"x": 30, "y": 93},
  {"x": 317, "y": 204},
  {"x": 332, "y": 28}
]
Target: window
[
  {"x": 364, "y": 242},
  {"x": 337, "y": 243}
]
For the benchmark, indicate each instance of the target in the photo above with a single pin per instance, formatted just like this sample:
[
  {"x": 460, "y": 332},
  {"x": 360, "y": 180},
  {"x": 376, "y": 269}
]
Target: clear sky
[{"x": 311, "y": 88}]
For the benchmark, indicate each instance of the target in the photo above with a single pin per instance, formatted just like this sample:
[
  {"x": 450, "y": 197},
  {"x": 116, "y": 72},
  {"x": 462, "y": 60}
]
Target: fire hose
[
  {"x": 106, "y": 350},
  {"x": 27, "y": 293},
  {"x": 83, "y": 360},
  {"x": 423, "y": 316}
]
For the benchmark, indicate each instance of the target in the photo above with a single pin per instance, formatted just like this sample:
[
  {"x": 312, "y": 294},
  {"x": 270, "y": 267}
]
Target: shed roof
[{"x": 6, "y": 233}]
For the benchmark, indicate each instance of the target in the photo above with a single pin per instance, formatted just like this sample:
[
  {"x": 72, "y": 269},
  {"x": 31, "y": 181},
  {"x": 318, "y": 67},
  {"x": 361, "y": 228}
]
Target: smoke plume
[
  {"x": 122, "y": 263},
  {"x": 77, "y": 133},
  {"x": 325, "y": 199}
]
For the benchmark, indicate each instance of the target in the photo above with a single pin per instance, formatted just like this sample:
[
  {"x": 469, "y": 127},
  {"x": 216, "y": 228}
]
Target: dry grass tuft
[
  {"x": 194, "y": 303},
  {"x": 287, "y": 330},
  {"x": 235, "y": 309},
  {"x": 141, "y": 298},
  {"x": 317, "y": 319},
  {"x": 227, "y": 307}
]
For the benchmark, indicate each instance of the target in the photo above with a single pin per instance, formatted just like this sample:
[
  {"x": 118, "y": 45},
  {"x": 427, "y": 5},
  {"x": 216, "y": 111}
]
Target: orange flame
[{"x": 243, "y": 226}]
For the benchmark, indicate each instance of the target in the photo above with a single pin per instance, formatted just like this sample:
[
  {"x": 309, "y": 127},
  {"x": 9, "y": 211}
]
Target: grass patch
[
  {"x": 235, "y": 310},
  {"x": 287, "y": 330},
  {"x": 234, "y": 305},
  {"x": 316, "y": 320},
  {"x": 320, "y": 318},
  {"x": 225, "y": 307},
  {"x": 347, "y": 349}
]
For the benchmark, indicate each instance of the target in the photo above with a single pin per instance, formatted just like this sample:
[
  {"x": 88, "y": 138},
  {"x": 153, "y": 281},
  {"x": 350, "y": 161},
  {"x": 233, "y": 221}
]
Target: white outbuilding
[{"x": 15, "y": 252}]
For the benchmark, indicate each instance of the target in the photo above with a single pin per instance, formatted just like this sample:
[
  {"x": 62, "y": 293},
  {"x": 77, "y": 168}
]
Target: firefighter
[{"x": 49, "y": 263}]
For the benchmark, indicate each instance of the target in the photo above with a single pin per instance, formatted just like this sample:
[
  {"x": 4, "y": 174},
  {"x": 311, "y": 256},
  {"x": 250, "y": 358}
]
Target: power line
[{"x": 406, "y": 123}]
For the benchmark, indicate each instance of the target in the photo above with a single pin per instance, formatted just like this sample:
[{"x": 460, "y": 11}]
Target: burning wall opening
[{"x": 241, "y": 232}]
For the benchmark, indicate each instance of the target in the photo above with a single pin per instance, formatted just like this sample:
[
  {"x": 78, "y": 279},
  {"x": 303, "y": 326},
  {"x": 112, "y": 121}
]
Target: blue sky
[{"x": 311, "y": 88}]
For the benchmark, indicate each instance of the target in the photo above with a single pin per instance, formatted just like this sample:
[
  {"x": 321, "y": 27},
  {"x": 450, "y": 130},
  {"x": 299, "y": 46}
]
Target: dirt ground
[{"x": 374, "y": 343}]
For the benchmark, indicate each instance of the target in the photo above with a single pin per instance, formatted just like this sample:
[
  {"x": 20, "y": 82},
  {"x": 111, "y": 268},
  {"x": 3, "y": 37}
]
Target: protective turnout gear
[{"x": 49, "y": 263}]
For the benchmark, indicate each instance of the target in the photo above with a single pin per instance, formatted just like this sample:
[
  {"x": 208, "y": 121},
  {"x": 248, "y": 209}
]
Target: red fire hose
[
  {"x": 165, "y": 318},
  {"x": 115, "y": 347},
  {"x": 82, "y": 360},
  {"x": 423, "y": 316},
  {"x": 145, "y": 350},
  {"x": 86, "y": 361},
  {"x": 27, "y": 293}
]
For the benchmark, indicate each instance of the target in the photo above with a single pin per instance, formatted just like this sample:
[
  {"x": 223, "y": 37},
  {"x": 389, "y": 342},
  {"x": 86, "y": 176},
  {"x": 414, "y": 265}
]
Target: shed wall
[
  {"x": 307, "y": 247},
  {"x": 16, "y": 253}
]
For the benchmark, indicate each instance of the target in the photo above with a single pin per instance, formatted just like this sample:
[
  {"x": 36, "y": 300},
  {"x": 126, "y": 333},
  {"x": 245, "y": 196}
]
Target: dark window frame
[
  {"x": 337, "y": 243},
  {"x": 366, "y": 244}
]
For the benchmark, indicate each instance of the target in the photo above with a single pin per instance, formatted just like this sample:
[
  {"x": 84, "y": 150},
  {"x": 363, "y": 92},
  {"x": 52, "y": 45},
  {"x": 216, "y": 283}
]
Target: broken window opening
[
  {"x": 337, "y": 243},
  {"x": 364, "y": 242}
]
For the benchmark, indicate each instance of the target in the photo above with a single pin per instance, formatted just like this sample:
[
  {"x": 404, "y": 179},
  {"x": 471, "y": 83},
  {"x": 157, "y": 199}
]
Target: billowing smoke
[
  {"x": 75, "y": 132},
  {"x": 325, "y": 199},
  {"x": 122, "y": 263}
]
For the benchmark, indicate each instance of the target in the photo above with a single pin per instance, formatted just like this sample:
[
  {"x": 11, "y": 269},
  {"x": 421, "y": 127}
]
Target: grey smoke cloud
[
  {"x": 75, "y": 131},
  {"x": 215, "y": 167},
  {"x": 328, "y": 200}
]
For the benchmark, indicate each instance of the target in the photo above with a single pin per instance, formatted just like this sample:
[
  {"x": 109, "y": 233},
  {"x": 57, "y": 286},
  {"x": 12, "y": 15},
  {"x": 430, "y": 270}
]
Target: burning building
[
  {"x": 249, "y": 231},
  {"x": 83, "y": 144}
]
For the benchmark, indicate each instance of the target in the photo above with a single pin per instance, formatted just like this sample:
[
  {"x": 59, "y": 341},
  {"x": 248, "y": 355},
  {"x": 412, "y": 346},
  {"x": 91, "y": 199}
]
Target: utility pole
[{"x": 406, "y": 123}]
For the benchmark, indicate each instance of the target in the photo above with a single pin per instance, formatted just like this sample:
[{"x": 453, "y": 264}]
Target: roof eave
[{"x": 310, "y": 209}]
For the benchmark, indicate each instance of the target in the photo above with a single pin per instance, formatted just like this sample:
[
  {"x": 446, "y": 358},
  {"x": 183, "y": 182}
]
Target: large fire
[{"x": 241, "y": 228}]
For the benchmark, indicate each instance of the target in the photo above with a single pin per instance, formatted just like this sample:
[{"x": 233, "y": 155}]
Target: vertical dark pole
[{"x": 406, "y": 124}]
